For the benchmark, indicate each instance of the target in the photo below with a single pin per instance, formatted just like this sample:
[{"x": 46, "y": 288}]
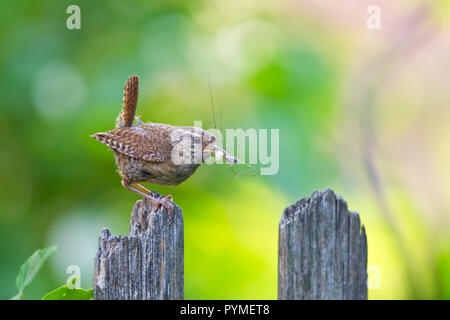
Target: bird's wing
[{"x": 138, "y": 142}]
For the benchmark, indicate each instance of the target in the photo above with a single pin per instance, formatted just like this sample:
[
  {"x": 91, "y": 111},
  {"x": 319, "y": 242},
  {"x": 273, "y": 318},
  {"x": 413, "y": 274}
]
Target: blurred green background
[{"x": 365, "y": 112}]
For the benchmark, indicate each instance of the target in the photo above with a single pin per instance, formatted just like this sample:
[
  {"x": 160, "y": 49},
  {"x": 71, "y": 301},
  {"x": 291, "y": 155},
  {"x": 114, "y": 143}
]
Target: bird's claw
[{"x": 166, "y": 202}]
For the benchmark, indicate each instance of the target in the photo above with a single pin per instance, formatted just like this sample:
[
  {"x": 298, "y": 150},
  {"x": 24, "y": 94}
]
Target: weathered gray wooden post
[
  {"x": 322, "y": 250},
  {"x": 146, "y": 264}
]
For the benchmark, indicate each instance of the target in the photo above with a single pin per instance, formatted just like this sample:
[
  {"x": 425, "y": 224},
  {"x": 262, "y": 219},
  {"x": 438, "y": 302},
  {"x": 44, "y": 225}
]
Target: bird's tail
[{"x": 130, "y": 96}]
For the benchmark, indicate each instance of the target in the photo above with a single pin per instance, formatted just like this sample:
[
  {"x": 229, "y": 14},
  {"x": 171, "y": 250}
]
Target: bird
[{"x": 156, "y": 153}]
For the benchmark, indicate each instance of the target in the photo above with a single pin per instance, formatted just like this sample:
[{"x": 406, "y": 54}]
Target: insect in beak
[{"x": 220, "y": 153}]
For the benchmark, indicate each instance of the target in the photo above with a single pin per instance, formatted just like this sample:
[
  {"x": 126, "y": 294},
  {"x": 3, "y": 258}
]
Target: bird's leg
[
  {"x": 142, "y": 188},
  {"x": 166, "y": 202},
  {"x": 155, "y": 201},
  {"x": 167, "y": 198}
]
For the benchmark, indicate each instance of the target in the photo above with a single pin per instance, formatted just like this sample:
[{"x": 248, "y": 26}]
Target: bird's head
[{"x": 195, "y": 145}]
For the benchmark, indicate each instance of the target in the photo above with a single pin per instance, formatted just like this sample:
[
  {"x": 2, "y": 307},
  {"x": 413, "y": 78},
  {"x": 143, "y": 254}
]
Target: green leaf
[
  {"x": 66, "y": 293},
  {"x": 30, "y": 268}
]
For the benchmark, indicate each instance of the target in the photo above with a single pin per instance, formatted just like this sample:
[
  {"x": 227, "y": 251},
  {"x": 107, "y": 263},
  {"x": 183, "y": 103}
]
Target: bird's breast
[{"x": 167, "y": 173}]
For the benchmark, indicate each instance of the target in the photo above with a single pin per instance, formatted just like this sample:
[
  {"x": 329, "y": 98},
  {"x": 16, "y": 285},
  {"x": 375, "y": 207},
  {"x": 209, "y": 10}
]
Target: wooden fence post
[
  {"x": 146, "y": 264},
  {"x": 322, "y": 250}
]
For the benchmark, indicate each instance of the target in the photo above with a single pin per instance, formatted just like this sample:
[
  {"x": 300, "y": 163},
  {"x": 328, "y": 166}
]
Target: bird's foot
[{"x": 166, "y": 202}]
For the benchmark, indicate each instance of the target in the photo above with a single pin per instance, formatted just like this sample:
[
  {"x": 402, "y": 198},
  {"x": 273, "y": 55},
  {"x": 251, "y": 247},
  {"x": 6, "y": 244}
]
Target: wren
[{"x": 155, "y": 153}]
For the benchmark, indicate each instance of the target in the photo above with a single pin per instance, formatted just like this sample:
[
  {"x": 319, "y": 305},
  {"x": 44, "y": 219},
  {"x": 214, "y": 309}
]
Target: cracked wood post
[
  {"x": 146, "y": 264},
  {"x": 322, "y": 250}
]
